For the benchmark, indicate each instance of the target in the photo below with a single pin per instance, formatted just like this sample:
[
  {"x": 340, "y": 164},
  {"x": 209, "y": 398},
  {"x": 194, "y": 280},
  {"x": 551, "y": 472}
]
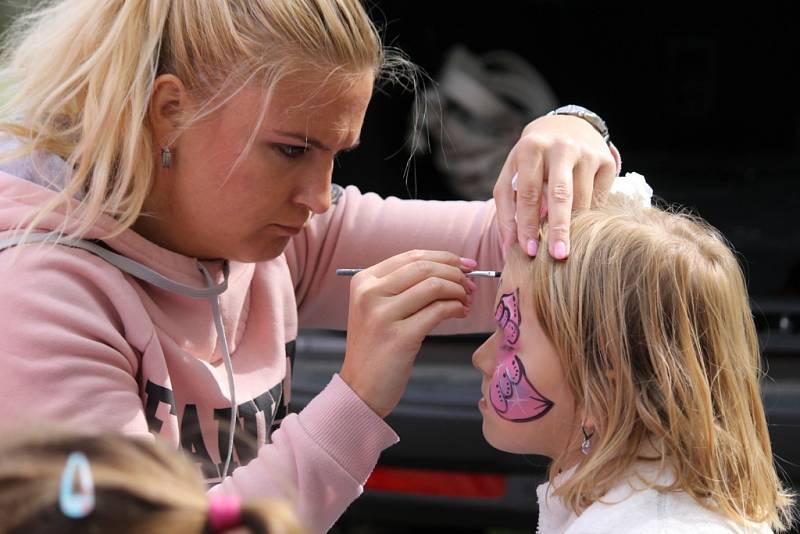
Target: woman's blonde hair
[
  {"x": 81, "y": 75},
  {"x": 651, "y": 319},
  {"x": 140, "y": 486}
]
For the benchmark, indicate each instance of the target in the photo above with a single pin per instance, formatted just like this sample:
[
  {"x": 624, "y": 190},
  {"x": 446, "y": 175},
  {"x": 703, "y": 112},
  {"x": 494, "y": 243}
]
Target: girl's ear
[
  {"x": 588, "y": 421},
  {"x": 588, "y": 426},
  {"x": 168, "y": 101}
]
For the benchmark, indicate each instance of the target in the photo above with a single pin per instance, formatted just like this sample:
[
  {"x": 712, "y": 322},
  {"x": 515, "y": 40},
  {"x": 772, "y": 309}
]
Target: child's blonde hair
[
  {"x": 651, "y": 319},
  {"x": 81, "y": 75},
  {"x": 140, "y": 486}
]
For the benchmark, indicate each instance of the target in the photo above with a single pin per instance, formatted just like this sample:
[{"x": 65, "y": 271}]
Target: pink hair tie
[{"x": 224, "y": 512}]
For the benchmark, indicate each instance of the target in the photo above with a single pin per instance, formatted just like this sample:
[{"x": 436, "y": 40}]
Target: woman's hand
[
  {"x": 562, "y": 162},
  {"x": 393, "y": 306}
]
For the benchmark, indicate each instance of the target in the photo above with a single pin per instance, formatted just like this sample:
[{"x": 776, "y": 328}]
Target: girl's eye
[{"x": 292, "y": 151}]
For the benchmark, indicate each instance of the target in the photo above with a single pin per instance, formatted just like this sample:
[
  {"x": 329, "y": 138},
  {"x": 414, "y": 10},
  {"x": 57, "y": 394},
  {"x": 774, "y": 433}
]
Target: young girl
[
  {"x": 175, "y": 158},
  {"x": 64, "y": 483},
  {"x": 635, "y": 368}
]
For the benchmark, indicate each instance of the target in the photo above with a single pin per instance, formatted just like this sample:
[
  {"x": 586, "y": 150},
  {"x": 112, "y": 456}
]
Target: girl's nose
[{"x": 483, "y": 359}]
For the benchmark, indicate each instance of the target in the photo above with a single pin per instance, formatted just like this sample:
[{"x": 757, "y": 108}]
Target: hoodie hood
[
  {"x": 176, "y": 274},
  {"x": 32, "y": 180},
  {"x": 39, "y": 177}
]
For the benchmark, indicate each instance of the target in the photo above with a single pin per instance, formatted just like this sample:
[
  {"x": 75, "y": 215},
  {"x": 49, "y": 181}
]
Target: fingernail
[
  {"x": 560, "y": 250},
  {"x": 532, "y": 247},
  {"x": 471, "y": 285},
  {"x": 468, "y": 263}
]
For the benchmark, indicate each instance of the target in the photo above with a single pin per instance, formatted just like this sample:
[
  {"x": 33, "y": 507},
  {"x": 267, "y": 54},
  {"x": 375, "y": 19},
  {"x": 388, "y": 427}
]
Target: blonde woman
[
  {"x": 168, "y": 223},
  {"x": 64, "y": 482},
  {"x": 635, "y": 367}
]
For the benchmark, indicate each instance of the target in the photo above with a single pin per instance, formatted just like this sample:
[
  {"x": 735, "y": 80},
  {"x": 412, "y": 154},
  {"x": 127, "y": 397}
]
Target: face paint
[
  {"x": 507, "y": 317},
  {"x": 512, "y": 395}
]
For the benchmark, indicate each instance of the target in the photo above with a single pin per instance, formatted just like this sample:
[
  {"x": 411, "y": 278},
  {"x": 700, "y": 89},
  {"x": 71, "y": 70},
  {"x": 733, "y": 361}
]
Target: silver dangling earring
[
  {"x": 587, "y": 441},
  {"x": 166, "y": 157}
]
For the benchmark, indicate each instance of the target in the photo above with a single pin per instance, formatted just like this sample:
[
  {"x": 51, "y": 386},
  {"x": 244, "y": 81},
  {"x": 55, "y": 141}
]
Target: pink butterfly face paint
[{"x": 512, "y": 395}]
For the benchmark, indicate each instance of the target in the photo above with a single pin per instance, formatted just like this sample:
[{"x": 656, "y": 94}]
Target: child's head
[
  {"x": 644, "y": 342},
  {"x": 139, "y": 486}
]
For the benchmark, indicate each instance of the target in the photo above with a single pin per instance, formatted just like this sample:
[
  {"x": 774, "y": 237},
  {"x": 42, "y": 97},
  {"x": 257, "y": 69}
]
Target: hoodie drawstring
[
  {"x": 226, "y": 358},
  {"x": 211, "y": 292}
]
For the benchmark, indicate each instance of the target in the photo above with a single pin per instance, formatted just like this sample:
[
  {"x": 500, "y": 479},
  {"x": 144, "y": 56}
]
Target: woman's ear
[{"x": 168, "y": 103}]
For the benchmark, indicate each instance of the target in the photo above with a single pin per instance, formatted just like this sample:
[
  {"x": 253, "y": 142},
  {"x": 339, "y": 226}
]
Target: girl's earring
[
  {"x": 166, "y": 157},
  {"x": 587, "y": 441}
]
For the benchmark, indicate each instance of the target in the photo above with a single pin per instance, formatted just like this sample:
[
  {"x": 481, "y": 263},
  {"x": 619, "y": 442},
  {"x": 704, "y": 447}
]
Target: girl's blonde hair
[
  {"x": 651, "y": 319},
  {"x": 81, "y": 75},
  {"x": 140, "y": 486}
]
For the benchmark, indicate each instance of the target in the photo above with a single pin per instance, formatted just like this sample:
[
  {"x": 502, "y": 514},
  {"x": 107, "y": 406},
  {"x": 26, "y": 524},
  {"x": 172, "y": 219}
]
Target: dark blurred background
[{"x": 701, "y": 99}]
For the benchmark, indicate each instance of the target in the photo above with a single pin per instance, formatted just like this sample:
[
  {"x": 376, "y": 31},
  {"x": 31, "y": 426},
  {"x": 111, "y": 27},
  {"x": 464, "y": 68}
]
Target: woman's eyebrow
[{"x": 314, "y": 142}]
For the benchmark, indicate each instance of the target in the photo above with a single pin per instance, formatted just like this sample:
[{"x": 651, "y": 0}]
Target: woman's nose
[
  {"x": 483, "y": 359},
  {"x": 315, "y": 194}
]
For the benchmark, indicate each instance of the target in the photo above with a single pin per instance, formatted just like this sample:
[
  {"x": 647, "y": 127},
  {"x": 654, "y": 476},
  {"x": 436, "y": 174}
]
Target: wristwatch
[{"x": 589, "y": 116}]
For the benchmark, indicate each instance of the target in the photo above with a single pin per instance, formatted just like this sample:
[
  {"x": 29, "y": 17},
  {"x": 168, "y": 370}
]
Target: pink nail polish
[
  {"x": 532, "y": 247},
  {"x": 560, "y": 250},
  {"x": 468, "y": 263},
  {"x": 472, "y": 285}
]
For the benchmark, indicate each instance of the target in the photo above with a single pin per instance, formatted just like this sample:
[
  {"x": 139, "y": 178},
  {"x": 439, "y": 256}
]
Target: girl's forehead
[
  {"x": 508, "y": 281},
  {"x": 512, "y": 283}
]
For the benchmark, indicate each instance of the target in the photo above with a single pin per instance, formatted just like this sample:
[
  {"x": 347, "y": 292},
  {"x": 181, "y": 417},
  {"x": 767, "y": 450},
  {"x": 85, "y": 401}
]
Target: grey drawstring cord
[
  {"x": 226, "y": 358},
  {"x": 137, "y": 270}
]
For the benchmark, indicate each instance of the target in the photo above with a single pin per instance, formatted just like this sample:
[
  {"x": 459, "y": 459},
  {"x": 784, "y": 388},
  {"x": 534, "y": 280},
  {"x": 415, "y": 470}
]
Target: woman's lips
[{"x": 289, "y": 230}]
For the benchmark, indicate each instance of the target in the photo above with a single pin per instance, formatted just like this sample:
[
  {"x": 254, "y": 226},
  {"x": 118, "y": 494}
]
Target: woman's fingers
[
  {"x": 432, "y": 315},
  {"x": 425, "y": 293},
  {"x": 603, "y": 180},
  {"x": 393, "y": 306},
  {"x": 561, "y": 163},
  {"x": 505, "y": 203},
  {"x": 583, "y": 182},
  {"x": 411, "y": 274},
  {"x": 530, "y": 183},
  {"x": 394, "y": 263},
  {"x": 559, "y": 205}
]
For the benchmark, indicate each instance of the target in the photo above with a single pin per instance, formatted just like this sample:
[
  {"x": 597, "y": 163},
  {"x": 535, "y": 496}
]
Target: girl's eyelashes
[
  {"x": 291, "y": 151},
  {"x": 502, "y": 343}
]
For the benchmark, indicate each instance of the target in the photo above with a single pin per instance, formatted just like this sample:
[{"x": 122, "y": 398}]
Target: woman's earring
[
  {"x": 587, "y": 441},
  {"x": 166, "y": 157}
]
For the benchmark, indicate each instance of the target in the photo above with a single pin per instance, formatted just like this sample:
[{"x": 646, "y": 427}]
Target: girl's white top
[{"x": 632, "y": 506}]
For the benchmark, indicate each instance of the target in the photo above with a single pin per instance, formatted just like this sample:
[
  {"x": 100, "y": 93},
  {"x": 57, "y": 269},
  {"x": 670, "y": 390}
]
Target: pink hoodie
[{"x": 128, "y": 343}]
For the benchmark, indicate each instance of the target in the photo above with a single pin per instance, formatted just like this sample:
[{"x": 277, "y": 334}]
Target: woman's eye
[{"x": 292, "y": 151}]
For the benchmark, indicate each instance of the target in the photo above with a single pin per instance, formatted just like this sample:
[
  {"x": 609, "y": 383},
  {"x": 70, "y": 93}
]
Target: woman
[{"x": 181, "y": 153}]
